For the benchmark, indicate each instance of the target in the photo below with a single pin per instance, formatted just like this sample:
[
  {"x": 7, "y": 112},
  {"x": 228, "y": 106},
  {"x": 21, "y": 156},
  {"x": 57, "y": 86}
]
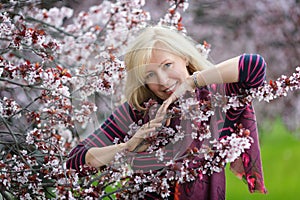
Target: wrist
[
  {"x": 122, "y": 146},
  {"x": 195, "y": 79},
  {"x": 129, "y": 146},
  {"x": 190, "y": 82}
]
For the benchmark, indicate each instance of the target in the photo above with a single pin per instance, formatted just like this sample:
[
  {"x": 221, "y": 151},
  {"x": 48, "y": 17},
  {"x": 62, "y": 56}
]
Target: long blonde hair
[{"x": 139, "y": 54}]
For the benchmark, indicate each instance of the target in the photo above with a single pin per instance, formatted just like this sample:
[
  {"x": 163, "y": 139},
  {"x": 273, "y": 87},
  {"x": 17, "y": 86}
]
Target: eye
[
  {"x": 149, "y": 75},
  {"x": 167, "y": 65}
]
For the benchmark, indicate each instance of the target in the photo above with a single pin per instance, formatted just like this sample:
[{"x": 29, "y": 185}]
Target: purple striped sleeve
[
  {"x": 76, "y": 158},
  {"x": 116, "y": 126},
  {"x": 252, "y": 73},
  {"x": 252, "y": 70},
  {"x": 149, "y": 161}
]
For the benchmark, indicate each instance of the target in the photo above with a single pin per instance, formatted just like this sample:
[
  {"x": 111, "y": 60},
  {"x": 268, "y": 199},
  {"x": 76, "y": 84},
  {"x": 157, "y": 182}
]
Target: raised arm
[
  {"x": 248, "y": 70},
  {"x": 252, "y": 73},
  {"x": 245, "y": 71},
  {"x": 224, "y": 72}
]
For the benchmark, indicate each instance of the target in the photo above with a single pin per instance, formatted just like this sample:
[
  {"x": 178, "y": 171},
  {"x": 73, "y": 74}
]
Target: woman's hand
[
  {"x": 136, "y": 143},
  {"x": 187, "y": 85}
]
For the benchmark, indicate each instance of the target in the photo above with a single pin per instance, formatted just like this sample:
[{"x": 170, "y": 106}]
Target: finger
[
  {"x": 150, "y": 132},
  {"x": 168, "y": 122},
  {"x": 174, "y": 96},
  {"x": 147, "y": 127},
  {"x": 155, "y": 124},
  {"x": 163, "y": 108},
  {"x": 180, "y": 91},
  {"x": 143, "y": 133},
  {"x": 158, "y": 120}
]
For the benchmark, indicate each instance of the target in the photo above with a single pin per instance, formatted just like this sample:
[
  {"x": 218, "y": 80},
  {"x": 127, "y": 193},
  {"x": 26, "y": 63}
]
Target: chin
[
  {"x": 165, "y": 97},
  {"x": 162, "y": 97}
]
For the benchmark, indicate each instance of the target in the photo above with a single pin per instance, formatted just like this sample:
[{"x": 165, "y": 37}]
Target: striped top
[{"x": 252, "y": 68}]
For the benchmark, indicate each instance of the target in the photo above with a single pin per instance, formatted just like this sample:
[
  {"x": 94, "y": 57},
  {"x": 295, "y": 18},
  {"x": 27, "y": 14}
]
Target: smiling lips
[{"x": 171, "y": 89}]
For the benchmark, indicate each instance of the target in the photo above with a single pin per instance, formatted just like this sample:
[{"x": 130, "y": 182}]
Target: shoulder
[{"x": 251, "y": 58}]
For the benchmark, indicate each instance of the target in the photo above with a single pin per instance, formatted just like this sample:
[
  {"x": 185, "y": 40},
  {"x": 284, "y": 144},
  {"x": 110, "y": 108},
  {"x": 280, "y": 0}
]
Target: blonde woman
[{"x": 162, "y": 64}]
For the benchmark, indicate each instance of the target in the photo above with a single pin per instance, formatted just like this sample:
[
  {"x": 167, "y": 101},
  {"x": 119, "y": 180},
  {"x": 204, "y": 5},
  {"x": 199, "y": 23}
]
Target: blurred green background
[{"x": 281, "y": 159}]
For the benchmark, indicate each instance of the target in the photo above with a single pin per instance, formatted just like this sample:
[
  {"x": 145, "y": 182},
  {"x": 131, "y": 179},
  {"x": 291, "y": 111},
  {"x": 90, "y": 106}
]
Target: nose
[{"x": 162, "y": 78}]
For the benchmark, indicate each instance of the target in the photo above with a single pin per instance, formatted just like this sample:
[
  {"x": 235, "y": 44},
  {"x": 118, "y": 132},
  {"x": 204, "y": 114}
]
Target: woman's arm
[
  {"x": 245, "y": 71},
  {"x": 102, "y": 140},
  {"x": 98, "y": 149},
  {"x": 100, "y": 156},
  {"x": 249, "y": 70},
  {"x": 224, "y": 72}
]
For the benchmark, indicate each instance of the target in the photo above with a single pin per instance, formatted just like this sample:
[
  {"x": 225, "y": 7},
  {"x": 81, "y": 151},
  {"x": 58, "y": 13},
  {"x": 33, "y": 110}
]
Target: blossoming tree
[{"x": 52, "y": 76}]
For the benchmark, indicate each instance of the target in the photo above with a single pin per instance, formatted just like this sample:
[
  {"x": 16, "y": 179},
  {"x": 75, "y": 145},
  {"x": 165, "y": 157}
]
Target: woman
[{"x": 162, "y": 65}]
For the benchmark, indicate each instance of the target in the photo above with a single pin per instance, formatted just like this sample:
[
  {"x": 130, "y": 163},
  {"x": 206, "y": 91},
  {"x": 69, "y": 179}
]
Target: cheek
[
  {"x": 181, "y": 73},
  {"x": 153, "y": 87}
]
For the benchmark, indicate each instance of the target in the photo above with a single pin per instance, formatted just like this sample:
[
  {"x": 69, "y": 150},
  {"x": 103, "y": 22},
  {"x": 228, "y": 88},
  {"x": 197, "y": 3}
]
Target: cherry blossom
[{"x": 50, "y": 75}]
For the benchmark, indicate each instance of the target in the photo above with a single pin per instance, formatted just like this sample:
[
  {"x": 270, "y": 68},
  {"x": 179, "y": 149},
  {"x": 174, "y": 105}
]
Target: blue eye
[
  {"x": 167, "y": 65},
  {"x": 149, "y": 75}
]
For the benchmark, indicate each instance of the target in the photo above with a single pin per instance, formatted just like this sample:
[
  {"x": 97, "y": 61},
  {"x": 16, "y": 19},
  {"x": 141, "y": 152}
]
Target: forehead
[{"x": 159, "y": 55}]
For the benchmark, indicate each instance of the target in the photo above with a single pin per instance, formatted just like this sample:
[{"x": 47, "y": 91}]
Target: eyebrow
[{"x": 164, "y": 61}]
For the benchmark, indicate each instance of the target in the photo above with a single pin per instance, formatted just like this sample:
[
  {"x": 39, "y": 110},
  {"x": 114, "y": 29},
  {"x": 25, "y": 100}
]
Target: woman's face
[{"x": 165, "y": 73}]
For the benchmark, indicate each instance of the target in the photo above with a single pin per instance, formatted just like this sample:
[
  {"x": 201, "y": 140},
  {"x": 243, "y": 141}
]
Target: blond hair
[{"x": 139, "y": 54}]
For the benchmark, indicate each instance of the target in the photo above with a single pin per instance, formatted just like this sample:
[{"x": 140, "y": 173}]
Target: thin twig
[{"x": 49, "y": 25}]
